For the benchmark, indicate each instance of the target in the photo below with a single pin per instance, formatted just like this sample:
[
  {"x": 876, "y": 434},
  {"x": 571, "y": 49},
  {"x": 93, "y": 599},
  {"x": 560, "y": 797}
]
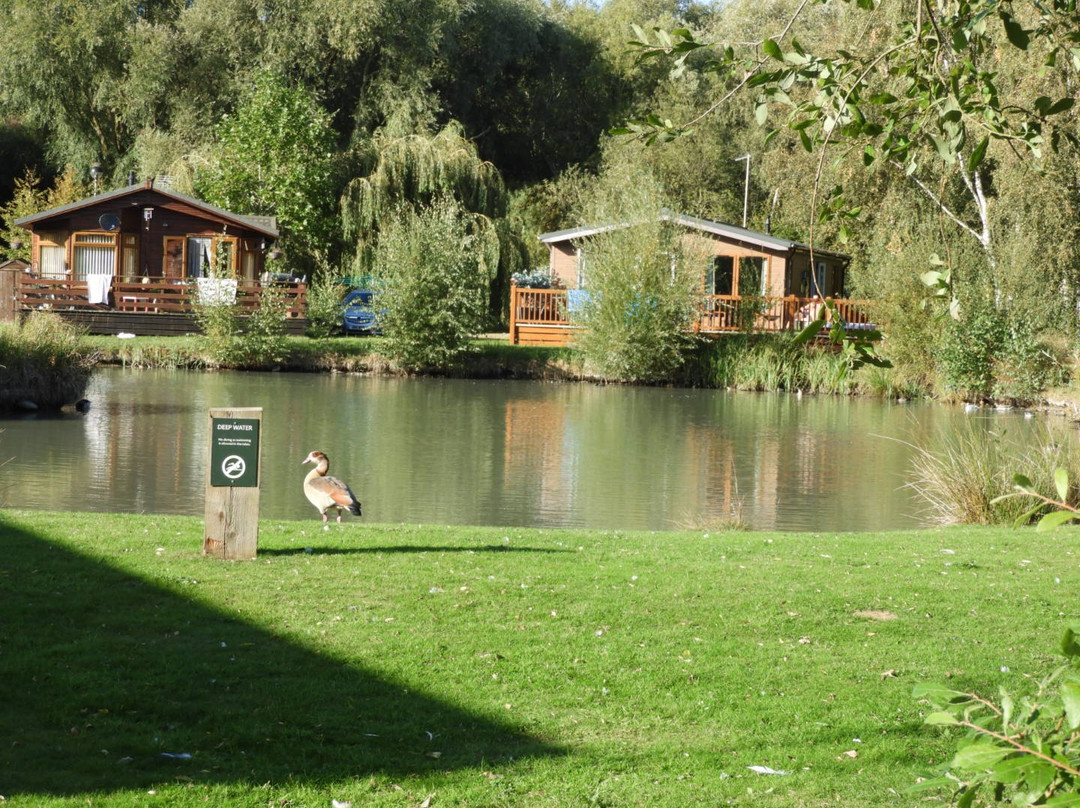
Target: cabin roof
[
  {"x": 728, "y": 232},
  {"x": 266, "y": 225}
]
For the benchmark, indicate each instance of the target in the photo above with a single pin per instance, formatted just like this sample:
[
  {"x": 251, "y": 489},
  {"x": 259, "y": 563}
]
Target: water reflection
[{"x": 488, "y": 452}]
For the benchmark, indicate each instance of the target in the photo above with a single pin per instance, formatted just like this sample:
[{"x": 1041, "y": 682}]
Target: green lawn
[{"x": 386, "y": 665}]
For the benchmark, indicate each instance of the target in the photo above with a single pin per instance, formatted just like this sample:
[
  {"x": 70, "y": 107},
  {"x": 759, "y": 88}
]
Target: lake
[{"x": 514, "y": 453}]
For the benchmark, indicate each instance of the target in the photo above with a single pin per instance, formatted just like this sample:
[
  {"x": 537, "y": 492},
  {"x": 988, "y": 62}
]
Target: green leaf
[
  {"x": 968, "y": 797},
  {"x": 1024, "y": 518},
  {"x": 808, "y": 333},
  {"x": 1011, "y": 770},
  {"x": 978, "y": 756},
  {"x": 1055, "y": 519},
  {"x": 761, "y": 113},
  {"x": 935, "y": 280},
  {"x": 1040, "y": 775},
  {"x": 1070, "y": 642},
  {"x": 882, "y": 98},
  {"x": 940, "y": 719},
  {"x": 805, "y": 140},
  {"x": 772, "y": 49},
  {"x": 1061, "y": 483},
  {"x": 931, "y": 783},
  {"x": 978, "y": 154},
  {"x": 1064, "y": 801},
  {"x": 1070, "y": 697},
  {"x": 939, "y": 694},
  {"x": 1023, "y": 483},
  {"x": 944, "y": 149}
]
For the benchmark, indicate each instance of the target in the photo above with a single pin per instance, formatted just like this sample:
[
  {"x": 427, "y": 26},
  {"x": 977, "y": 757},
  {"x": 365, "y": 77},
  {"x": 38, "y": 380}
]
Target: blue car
[{"x": 359, "y": 316}]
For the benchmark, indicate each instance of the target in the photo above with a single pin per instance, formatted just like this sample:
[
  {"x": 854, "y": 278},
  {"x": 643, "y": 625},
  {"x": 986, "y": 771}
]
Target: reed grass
[
  {"x": 961, "y": 480},
  {"x": 43, "y": 361}
]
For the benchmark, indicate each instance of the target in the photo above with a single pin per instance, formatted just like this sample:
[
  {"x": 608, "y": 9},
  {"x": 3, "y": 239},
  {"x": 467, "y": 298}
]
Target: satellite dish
[{"x": 109, "y": 221}]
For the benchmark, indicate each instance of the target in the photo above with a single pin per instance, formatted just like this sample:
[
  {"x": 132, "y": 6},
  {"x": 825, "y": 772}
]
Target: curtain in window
[
  {"x": 52, "y": 262},
  {"x": 94, "y": 261},
  {"x": 198, "y": 255}
]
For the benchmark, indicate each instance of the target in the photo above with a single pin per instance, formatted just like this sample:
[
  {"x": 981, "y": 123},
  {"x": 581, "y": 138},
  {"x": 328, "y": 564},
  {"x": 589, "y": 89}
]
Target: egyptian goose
[{"x": 327, "y": 492}]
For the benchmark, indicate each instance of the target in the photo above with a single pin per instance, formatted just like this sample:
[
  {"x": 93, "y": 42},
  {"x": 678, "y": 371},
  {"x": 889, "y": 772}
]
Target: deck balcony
[{"x": 546, "y": 316}]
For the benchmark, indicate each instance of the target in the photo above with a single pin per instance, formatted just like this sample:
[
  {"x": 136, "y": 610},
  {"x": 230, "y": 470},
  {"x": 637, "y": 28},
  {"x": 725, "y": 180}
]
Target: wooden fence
[
  {"x": 156, "y": 296},
  {"x": 547, "y": 316}
]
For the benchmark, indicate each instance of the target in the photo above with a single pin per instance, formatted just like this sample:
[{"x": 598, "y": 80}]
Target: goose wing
[{"x": 334, "y": 493}]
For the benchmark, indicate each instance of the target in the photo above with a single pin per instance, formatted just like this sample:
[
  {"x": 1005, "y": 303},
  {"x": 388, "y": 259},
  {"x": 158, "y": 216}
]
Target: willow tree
[{"x": 412, "y": 171}]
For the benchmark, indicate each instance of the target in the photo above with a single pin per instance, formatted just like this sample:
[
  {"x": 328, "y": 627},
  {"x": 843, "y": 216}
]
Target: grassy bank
[
  {"x": 43, "y": 363},
  {"x": 493, "y": 358},
  {"x": 390, "y": 665},
  {"x": 739, "y": 362}
]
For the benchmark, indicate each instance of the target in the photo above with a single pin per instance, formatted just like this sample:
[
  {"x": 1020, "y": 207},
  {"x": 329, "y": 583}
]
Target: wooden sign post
[{"x": 232, "y": 483}]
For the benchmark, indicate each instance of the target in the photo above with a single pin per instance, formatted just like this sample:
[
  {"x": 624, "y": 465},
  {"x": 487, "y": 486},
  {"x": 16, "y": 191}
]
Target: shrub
[
  {"x": 432, "y": 270},
  {"x": 994, "y": 353},
  {"x": 41, "y": 360},
  {"x": 220, "y": 324},
  {"x": 262, "y": 341},
  {"x": 324, "y": 304}
]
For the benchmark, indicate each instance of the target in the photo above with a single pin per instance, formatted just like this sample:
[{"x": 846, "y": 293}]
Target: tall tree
[
  {"x": 276, "y": 156},
  {"x": 530, "y": 86},
  {"x": 411, "y": 172},
  {"x": 64, "y": 69}
]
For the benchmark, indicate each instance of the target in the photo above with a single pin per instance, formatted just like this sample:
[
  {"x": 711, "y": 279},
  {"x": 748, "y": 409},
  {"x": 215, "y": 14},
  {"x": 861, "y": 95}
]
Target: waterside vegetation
[
  {"x": 43, "y": 363},
  {"x": 389, "y": 665}
]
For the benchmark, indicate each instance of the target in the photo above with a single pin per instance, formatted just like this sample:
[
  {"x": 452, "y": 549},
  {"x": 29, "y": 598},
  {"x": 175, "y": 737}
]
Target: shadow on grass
[
  {"x": 402, "y": 548},
  {"x": 105, "y": 672}
]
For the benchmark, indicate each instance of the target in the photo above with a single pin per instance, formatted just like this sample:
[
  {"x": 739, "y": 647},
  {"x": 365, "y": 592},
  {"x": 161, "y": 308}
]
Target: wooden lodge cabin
[
  {"x": 135, "y": 259},
  {"x": 750, "y": 280}
]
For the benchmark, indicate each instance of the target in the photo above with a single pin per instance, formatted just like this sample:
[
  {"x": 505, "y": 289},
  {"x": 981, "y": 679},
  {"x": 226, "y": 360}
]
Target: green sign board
[{"x": 234, "y": 452}]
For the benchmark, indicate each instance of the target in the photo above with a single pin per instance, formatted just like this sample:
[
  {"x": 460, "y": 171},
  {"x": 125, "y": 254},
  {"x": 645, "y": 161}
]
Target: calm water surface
[{"x": 489, "y": 452}]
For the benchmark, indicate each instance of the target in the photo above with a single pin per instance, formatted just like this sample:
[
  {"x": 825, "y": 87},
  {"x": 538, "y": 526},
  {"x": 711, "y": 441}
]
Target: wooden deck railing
[
  {"x": 156, "y": 296},
  {"x": 552, "y": 309}
]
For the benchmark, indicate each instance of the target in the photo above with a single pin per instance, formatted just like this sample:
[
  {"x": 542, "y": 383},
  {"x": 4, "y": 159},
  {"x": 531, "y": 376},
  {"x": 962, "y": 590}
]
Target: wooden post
[
  {"x": 513, "y": 314},
  {"x": 234, "y": 456}
]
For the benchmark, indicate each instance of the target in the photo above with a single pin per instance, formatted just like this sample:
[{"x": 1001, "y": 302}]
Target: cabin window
[
  {"x": 174, "y": 258},
  {"x": 52, "y": 263},
  {"x": 129, "y": 261},
  {"x": 210, "y": 255},
  {"x": 94, "y": 254},
  {"x": 226, "y": 257},
  {"x": 720, "y": 275},
  {"x": 751, "y": 276},
  {"x": 199, "y": 256},
  {"x": 813, "y": 280}
]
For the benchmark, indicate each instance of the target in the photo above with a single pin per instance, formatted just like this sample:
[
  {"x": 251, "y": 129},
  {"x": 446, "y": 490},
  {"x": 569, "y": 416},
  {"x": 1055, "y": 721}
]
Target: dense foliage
[
  {"x": 432, "y": 269},
  {"x": 935, "y": 142}
]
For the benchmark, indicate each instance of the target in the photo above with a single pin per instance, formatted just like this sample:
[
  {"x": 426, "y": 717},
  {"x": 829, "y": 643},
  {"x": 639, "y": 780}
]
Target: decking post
[
  {"x": 513, "y": 314},
  {"x": 234, "y": 455}
]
